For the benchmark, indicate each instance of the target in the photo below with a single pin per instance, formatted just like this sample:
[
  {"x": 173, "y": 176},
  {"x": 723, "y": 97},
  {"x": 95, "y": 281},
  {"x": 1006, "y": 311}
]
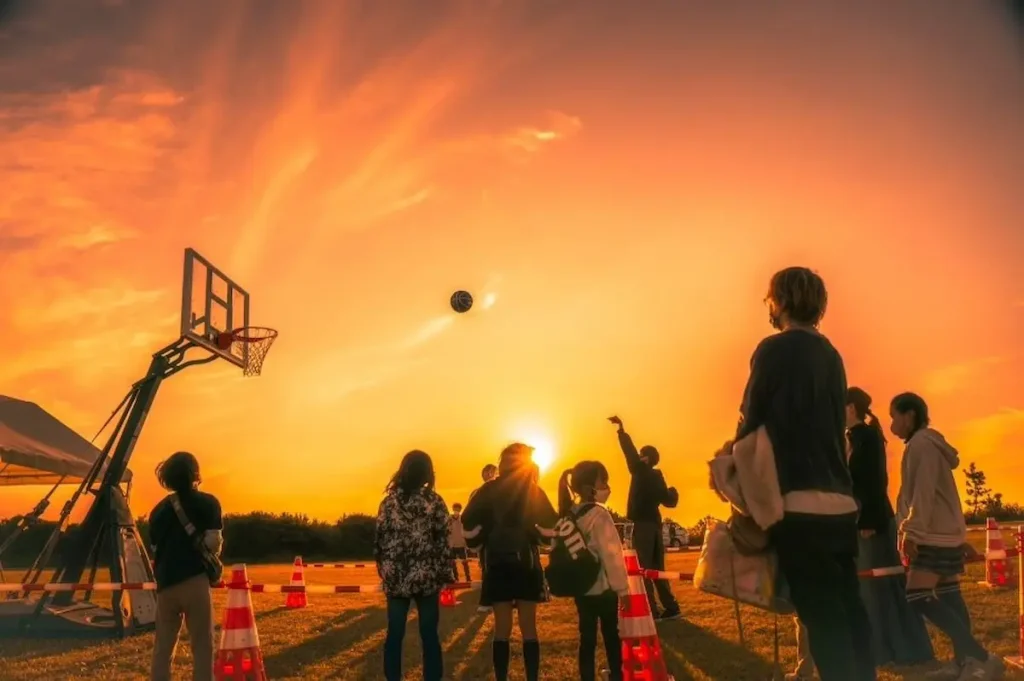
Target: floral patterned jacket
[{"x": 411, "y": 546}]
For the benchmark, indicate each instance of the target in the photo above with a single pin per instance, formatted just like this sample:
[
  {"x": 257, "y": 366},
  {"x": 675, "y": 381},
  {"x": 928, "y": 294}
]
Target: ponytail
[
  {"x": 876, "y": 425},
  {"x": 565, "y": 498}
]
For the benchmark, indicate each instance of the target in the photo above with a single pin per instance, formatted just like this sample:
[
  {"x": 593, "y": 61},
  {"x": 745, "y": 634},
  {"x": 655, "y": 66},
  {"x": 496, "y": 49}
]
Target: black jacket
[
  {"x": 647, "y": 488},
  {"x": 870, "y": 478}
]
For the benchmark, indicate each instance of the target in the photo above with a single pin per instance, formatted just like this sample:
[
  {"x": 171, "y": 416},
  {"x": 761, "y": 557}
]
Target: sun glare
[{"x": 543, "y": 452}]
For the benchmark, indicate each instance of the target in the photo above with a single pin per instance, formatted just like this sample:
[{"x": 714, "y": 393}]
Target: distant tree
[{"x": 979, "y": 496}]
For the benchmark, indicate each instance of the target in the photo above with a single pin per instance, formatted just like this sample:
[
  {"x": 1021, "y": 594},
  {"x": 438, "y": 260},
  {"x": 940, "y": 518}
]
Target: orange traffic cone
[
  {"x": 998, "y": 570},
  {"x": 297, "y": 599},
  {"x": 238, "y": 656},
  {"x": 448, "y": 599},
  {"x": 641, "y": 649}
]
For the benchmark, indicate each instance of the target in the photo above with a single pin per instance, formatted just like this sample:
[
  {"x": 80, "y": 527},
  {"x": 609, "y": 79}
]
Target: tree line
[{"x": 279, "y": 537}]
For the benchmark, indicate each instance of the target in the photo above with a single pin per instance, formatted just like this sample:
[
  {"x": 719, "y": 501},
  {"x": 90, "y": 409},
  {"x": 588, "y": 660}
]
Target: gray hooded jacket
[{"x": 928, "y": 507}]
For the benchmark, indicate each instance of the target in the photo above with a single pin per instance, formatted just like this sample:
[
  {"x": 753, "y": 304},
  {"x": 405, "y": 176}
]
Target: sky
[{"x": 614, "y": 186}]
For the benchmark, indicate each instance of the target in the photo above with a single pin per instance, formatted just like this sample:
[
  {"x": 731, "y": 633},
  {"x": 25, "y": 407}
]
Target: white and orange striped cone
[
  {"x": 641, "y": 649},
  {"x": 1017, "y": 661},
  {"x": 297, "y": 599},
  {"x": 998, "y": 570},
  {"x": 238, "y": 656}
]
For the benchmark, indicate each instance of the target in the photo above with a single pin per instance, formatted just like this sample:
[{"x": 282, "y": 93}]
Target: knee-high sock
[
  {"x": 499, "y": 656},
  {"x": 531, "y": 659}
]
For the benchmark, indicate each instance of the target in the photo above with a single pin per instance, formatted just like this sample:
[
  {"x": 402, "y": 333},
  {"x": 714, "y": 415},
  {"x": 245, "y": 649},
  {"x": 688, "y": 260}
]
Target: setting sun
[{"x": 543, "y": 452}]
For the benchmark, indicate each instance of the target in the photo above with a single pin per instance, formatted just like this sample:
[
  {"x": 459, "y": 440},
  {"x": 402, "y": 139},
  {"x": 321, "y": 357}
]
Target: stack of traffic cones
[
  {"x": 998, "y": 570},
  {"x": 641, "y": 650},
  {"x": 238, "y": 656},
  {"x": 297, "y": 599}
]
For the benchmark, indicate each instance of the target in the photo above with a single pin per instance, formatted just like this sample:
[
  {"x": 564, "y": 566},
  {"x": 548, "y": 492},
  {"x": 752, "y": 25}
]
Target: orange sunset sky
[{"x": 615, "y": 182}]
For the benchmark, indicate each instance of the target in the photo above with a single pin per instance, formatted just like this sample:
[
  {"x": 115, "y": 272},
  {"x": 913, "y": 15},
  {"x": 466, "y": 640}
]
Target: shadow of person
[
  {"x": 687, "y": 645},
  {"x": 339, "y": 634}
]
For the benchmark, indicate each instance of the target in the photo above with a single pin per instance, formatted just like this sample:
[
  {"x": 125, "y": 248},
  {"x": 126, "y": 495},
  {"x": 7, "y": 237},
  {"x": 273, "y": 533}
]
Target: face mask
[{"x": 601, "y": 495}]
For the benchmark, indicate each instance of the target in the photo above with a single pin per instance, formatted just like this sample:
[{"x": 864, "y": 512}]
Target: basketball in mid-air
[{"x": 461, "y": 301}]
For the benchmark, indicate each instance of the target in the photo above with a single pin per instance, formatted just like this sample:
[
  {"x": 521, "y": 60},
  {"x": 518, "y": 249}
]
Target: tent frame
[{"x": 107, "y": 535}]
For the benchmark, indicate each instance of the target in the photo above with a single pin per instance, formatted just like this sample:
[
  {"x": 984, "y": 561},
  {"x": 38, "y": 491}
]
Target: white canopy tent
[{"x": 37, "y": 449}]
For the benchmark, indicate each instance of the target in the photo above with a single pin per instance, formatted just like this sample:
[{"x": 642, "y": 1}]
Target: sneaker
[
  {"x": 672, "y": 614},
  {"x": 484, "y": 608},
  {"x": 947, "y": 672},
  {"x": 973, "y": 671},
  {"x": 995, "y": 667}
]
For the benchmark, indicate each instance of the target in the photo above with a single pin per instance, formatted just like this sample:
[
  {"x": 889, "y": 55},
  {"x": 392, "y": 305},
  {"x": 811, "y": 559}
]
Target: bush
[{"x": 248, "y": 538}]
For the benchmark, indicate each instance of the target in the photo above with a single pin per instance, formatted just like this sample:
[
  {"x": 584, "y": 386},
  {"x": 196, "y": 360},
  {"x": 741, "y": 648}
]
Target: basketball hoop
[{"x": 251, "y": 342}]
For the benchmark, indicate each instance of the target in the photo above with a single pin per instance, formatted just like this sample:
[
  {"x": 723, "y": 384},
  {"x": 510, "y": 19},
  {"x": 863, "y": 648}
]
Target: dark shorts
[
  {"x": 460, "y": 553},
  {"x": 940, "y": 560}
]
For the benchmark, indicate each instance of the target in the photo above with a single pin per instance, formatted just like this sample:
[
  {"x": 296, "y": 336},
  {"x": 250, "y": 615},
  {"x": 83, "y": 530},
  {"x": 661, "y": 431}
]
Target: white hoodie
[
  {"x": 928, "y": 507},
  {"x": 598, "y": 528}
]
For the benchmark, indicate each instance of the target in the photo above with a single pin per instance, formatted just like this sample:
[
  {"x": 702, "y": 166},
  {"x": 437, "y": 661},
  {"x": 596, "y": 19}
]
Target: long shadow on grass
[
  {"x": 716, "y": 657},
  {"x": 341, "y": 633},
  {"x": 463, "y": 621}
]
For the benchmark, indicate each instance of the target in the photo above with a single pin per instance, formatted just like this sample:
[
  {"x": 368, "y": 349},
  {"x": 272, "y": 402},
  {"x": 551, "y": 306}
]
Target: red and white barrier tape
[
  {"x": 376, "y": 588},
  {"x": 254, "y": 588}
]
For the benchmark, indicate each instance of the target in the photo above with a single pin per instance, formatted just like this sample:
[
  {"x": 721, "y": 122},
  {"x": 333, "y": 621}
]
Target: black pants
[
  {"x": 428, "y": 608},
  {"x": 825, "y": 591},
  {"x": 650, "y": 551},
  {"x": 603, "y": 610}
]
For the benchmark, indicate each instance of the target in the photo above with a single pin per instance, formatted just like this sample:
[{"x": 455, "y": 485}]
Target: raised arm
[{"x": 633, "y": 462}]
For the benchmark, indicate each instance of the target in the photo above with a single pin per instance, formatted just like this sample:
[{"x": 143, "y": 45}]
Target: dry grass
[{"x": 341, "y": 637}]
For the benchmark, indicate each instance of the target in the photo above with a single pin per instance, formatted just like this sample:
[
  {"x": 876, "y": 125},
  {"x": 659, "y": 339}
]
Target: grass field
[{"x": 341, "y": 637}]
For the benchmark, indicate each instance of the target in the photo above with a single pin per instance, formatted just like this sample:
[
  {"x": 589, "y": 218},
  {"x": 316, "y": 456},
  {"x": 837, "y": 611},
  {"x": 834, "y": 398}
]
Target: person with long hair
[
  {"x": 933, "y": 537},
  {"x": 182, "y": 582},
  {"x": 502, "y": 517},
  {"x": 582, "y": 492},
  {"x": 899, "y": 635},
  {"x": 411, "y": 550},
  {"x": 797, "y": 392}
]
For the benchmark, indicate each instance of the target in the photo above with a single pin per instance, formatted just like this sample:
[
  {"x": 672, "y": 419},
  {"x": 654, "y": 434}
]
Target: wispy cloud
[{"x": 951, "y": 378}]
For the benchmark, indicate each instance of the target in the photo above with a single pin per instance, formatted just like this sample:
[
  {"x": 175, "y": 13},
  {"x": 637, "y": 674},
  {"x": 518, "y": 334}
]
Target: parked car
[{"x": 673, "y": 534}]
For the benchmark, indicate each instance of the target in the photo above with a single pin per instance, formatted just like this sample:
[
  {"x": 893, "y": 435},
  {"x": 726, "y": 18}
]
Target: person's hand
[
  {"x": 867, "y": 533},
  {"x": 624, "y": 604},
  {"x": 615, "y": 420},
  {"x": 969, "y": 552}
]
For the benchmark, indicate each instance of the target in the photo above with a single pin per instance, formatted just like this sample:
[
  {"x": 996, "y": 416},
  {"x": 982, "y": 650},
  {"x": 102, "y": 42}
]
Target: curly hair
[{"x": 798, "y": 293}]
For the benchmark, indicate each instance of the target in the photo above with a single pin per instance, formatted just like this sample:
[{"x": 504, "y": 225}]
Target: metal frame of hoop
[{"x": 257, "y": 341}]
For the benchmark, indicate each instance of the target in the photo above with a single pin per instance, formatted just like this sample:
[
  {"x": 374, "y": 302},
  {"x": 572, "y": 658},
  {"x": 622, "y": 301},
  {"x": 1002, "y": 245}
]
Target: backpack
[{"x": 572, "y": 569}]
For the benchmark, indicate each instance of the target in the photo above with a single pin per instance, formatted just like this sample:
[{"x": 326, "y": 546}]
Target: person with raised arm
[{"x": 647, "y": 493}]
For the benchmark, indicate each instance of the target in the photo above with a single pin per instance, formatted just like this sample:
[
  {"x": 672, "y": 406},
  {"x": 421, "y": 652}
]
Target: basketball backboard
[{"x": 212, "y": 304}]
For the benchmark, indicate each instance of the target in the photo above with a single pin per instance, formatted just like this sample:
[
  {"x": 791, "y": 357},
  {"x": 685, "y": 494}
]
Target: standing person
[
  {"x": 489, "y": 472},
  {"x": 182, "y": 581},
  {"x": 647, "y": 492},
  {"x": 899, "y": 635},
  {"x": 933, "y": 535},
  {"x": 502, "y": 517},
  {"x": 411, "y": 550},
  {"x": 584, "y": 490},
  {"x": 457, "y": 543},
  {"x": 797, "y": 391},
  {"x": 898, "y": 632}
]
